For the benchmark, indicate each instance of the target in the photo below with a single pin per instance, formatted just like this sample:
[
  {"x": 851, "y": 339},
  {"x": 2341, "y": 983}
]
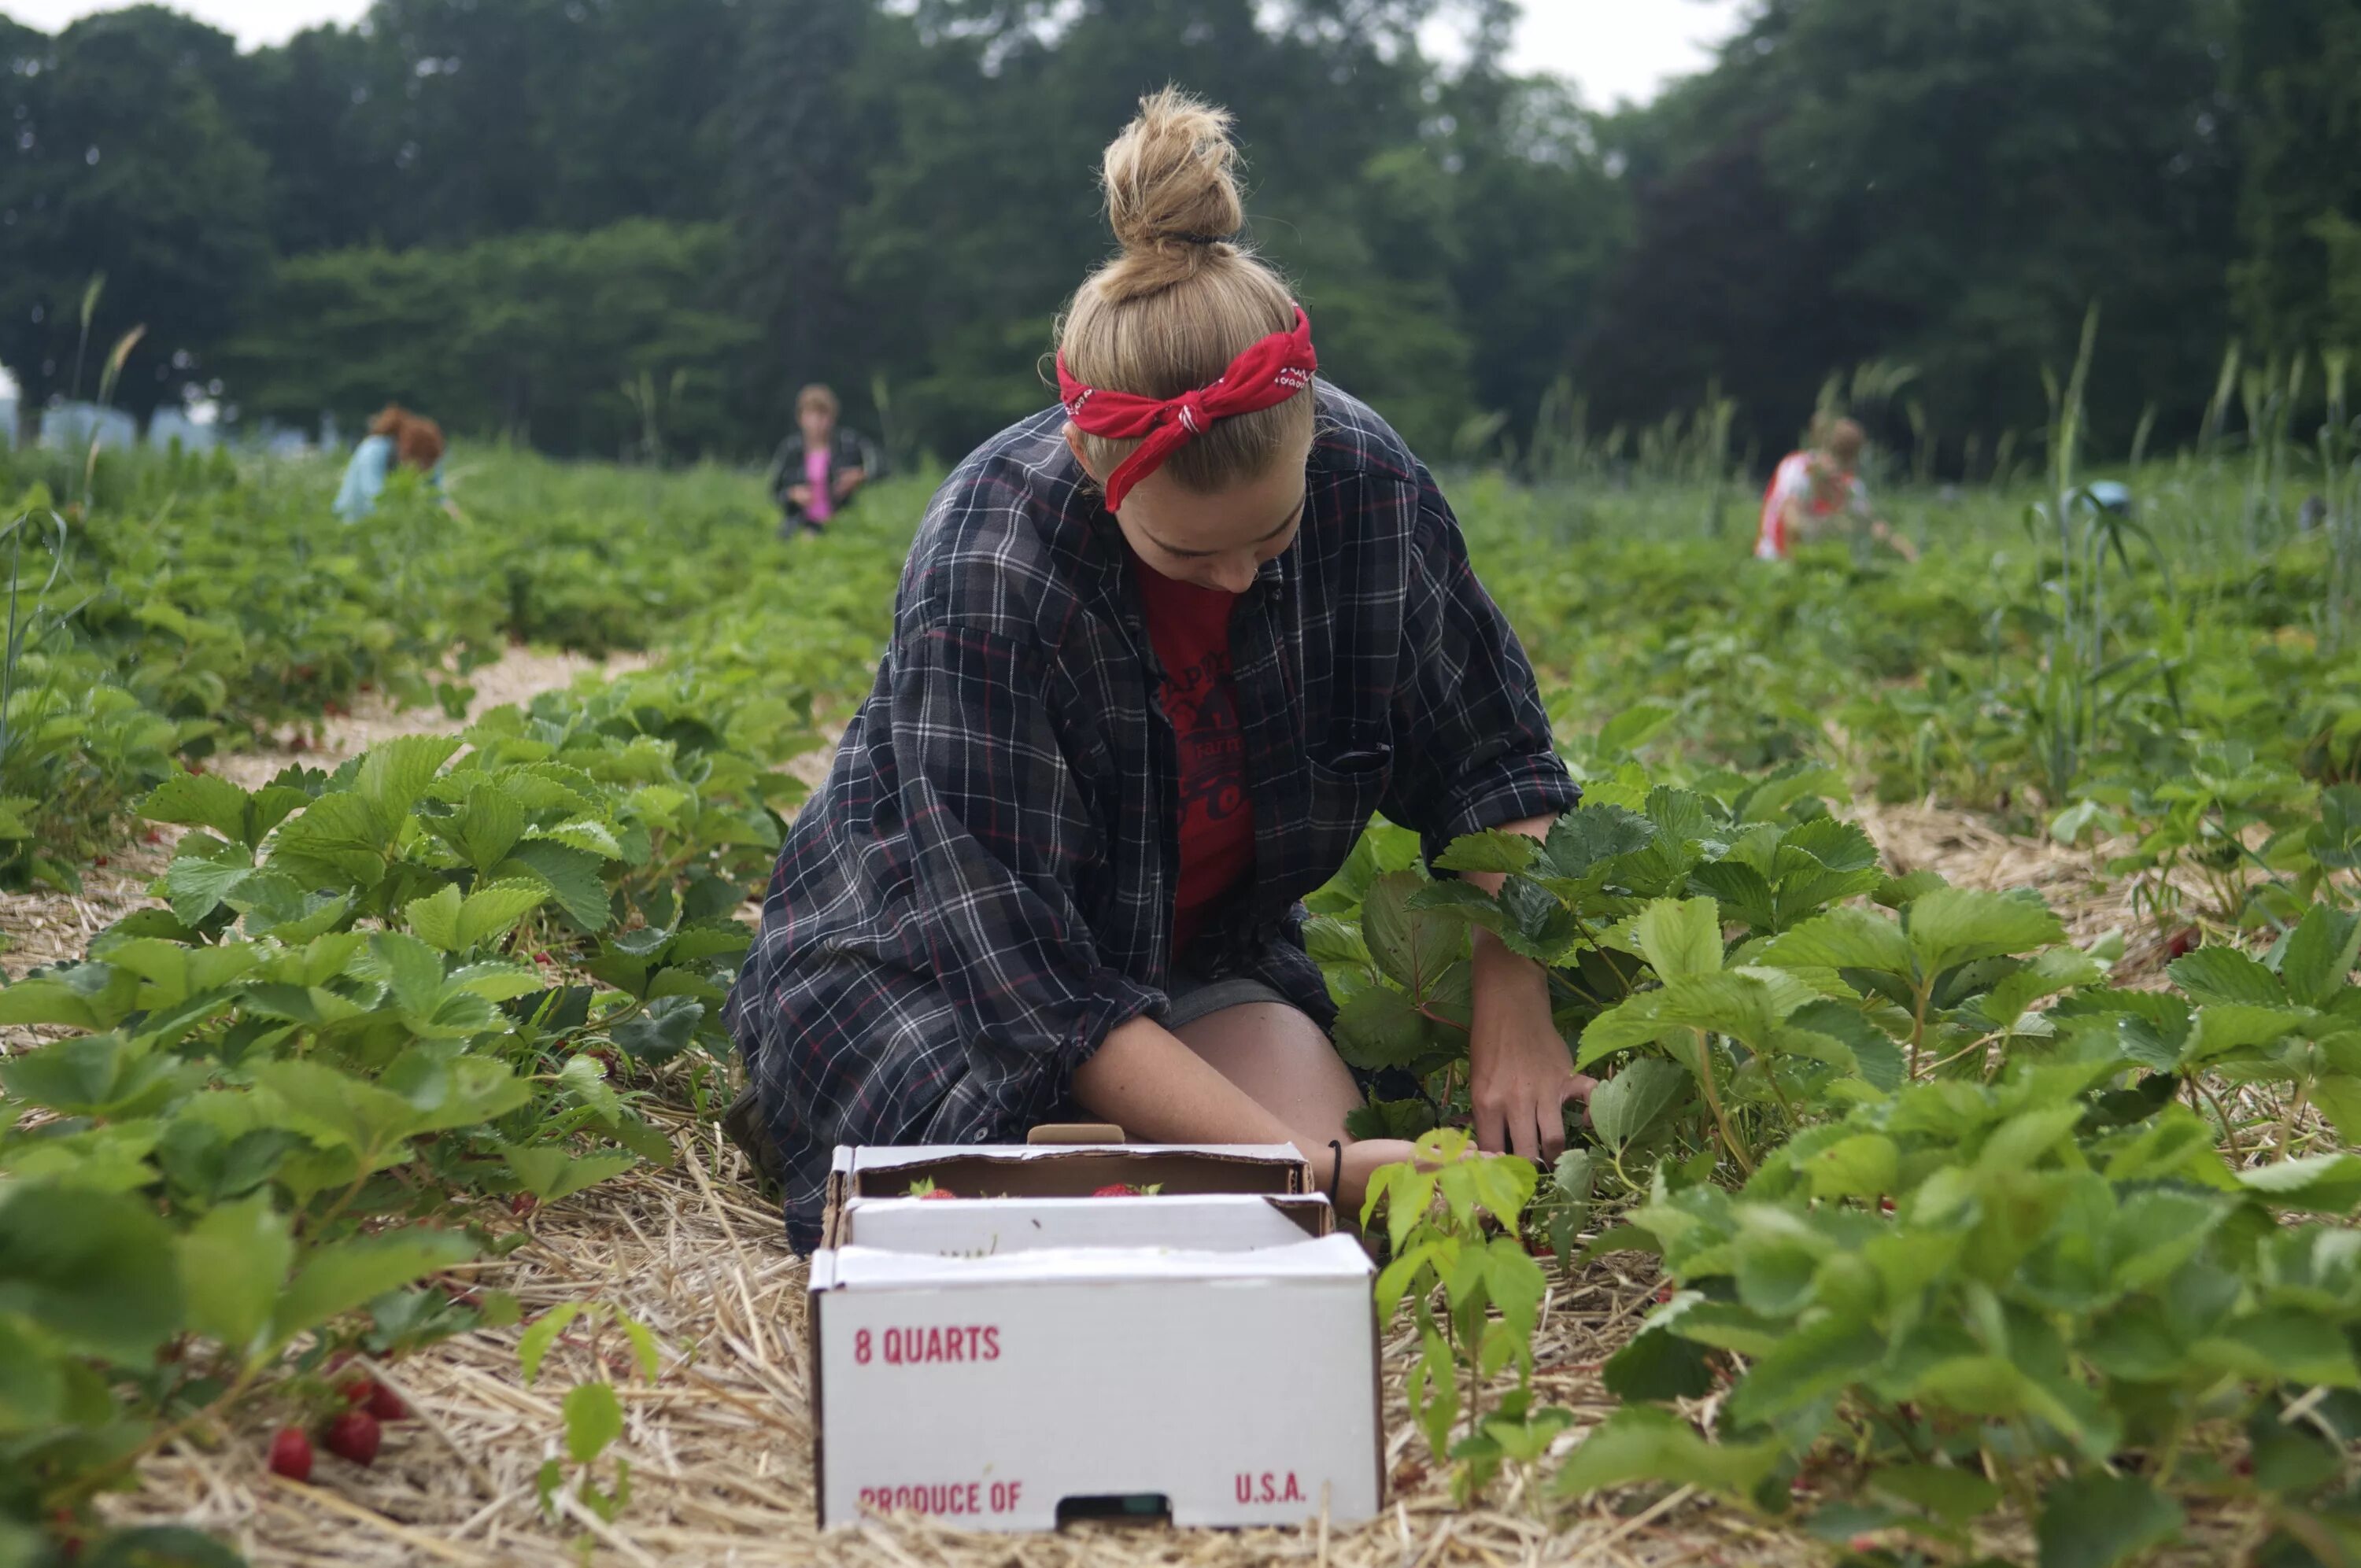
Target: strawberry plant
[
  {"x": 592, "y": 1414},
  {"x": 1957, "y": 1231},
  {"x": 322, "y": 1070},
  {"x": 1452, "y": 1222}
]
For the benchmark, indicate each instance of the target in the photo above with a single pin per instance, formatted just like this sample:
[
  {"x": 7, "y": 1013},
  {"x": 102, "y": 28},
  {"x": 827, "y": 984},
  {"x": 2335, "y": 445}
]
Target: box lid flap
[{"x": 1329, "y": 1258}]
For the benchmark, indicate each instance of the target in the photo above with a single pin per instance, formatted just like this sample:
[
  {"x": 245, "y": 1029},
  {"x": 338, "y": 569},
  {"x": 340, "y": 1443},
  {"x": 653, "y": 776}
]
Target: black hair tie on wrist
[{"x": 1337, "y": 1171}]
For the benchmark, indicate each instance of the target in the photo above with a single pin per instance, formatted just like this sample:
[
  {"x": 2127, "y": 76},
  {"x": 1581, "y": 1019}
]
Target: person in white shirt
[{"x": 1816, "y": 486}]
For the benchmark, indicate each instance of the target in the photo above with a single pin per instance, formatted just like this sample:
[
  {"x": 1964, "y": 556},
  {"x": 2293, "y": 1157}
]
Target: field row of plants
[
  {"x": 165, "y": 608},
  {"x": 1956, "y": 1234},
  {"x": 387, "y": 1009},
  {"x": 1953, "y": 1224}
]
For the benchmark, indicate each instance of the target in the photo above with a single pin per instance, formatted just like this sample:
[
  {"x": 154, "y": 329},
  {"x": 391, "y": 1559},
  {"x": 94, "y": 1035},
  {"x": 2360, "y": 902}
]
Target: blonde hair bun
[
  {"x": 1181, "y": 303},
  {"x": 1172, "y": 196}
]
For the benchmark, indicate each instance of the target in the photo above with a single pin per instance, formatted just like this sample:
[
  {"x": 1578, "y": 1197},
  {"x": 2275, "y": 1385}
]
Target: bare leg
[
  {"x": 1278, "y": 1056},
  {"x": 1259, "y": 1072}
]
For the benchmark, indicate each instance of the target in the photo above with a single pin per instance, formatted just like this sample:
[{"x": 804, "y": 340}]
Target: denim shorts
[
  {"x": 1193, "y": 999},
  {"x": 1189, "y": 1000}
]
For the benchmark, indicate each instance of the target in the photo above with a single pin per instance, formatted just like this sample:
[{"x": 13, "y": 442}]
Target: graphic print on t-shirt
[
  {"x": 1202, "y": 702},
  {"x": 1190, "y": 629}
]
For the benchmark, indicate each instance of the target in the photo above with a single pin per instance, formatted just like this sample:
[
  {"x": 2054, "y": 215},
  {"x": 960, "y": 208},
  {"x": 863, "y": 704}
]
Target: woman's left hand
[{"x": 1520, "y": 1072}]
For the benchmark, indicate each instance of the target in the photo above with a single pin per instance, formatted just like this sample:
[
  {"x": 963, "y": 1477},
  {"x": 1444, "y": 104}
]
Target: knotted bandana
[{"x": 1269, "y": 373}]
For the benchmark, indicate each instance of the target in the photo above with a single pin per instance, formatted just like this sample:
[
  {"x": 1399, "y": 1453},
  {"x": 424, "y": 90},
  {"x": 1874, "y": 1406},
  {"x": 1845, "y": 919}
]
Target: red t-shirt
[{"x": 1190, "y": 629}]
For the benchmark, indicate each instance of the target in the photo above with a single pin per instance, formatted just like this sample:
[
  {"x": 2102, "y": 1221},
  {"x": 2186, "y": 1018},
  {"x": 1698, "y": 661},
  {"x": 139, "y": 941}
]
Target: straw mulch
[
  {"x": 1969, "y": 852},
  {"x": 720, "y": 1445},
  {"x": 519, "y": 676}
]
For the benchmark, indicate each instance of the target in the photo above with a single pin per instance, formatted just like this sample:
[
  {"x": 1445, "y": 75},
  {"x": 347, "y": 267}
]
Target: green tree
[
  {"x": 545, "y": 337},
  {"x": 125, "y": 164},
  {"x": 800, "y": 157},
  {"x": 1951, "y": 185},
  {"x": 461, "y": 120},
  {"x": 1990, "y": 168},
  {"x": 1539, "y": 223},
  {"x": 2296, "y": 73},
  {"x": 980, "y": 217}
]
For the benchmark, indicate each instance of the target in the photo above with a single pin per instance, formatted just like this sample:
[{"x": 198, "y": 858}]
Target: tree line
[{"x": 635, "y": 226}]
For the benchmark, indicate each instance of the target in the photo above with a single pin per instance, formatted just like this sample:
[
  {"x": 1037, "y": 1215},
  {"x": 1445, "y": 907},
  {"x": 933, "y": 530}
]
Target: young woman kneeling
[{"x": 1157, "y": 656}]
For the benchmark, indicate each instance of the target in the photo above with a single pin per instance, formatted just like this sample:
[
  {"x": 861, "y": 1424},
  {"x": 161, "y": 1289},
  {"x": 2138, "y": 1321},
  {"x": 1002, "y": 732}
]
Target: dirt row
[{"x": 41, "y": 928}]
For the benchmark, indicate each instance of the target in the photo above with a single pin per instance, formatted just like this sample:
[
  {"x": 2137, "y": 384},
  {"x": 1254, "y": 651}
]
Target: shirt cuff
[{"x": 1511, "y": 789}]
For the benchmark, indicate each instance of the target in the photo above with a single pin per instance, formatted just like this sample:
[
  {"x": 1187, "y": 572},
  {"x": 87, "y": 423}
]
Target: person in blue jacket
[{"x": 396, "y": 437}]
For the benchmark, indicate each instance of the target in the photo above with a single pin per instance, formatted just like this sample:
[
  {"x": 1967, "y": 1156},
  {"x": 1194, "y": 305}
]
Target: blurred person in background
[
  {"x": 1159, "y": 654},
  {"x": 819, "y": 468},
  {"x": 1814, "y": 487},
  {"x": 397, "y": 438}
]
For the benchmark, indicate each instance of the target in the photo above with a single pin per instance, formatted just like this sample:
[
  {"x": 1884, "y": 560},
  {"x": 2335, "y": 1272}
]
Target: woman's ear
[{"x": 1074, "y": 445}]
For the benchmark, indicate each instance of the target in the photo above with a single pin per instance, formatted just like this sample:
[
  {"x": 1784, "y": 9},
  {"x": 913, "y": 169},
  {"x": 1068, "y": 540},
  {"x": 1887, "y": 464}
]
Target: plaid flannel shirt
[{"x": 983, "y": 888}]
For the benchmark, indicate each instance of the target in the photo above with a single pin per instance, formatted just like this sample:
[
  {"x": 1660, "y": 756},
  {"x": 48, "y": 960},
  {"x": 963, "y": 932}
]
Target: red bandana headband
[{"x": 1269, "y": 373}]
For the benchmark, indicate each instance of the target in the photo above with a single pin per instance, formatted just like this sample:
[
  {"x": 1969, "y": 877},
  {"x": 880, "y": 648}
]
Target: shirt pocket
[{"x": 1345, "y": 789}]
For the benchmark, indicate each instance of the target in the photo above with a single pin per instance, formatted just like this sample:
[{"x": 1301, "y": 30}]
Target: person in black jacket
[{"x": 820, "y": 467}]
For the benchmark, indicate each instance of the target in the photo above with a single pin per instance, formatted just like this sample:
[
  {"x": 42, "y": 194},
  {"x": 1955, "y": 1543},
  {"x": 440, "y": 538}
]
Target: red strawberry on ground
[
  {"x": 523, "y": 1204},
  {"x": 354, "y": 1435},
  {"x": 385, "y": 1404},
  {"x": 2183, "y": 941},
  {"x": 356, "y": 1390},
  {"x": 291, "y": 1455}
]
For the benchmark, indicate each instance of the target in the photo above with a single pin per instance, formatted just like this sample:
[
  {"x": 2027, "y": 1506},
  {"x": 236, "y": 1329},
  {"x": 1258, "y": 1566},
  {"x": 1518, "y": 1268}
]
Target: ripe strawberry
[
  {"x": 153, "y": 837},
  {"x": 2183, "y": 942},
  {"x": 291, "y": 1455},
  {"x": 385, "y": 1404},
  {"x": 357, "y": 1390},
  {"x": 1117, "y": 1189},
  {"x": 541, "y": 958},
  {"x": 354, "y": 1435},
  {"x": 938, "y": 1192},
  {"x": 523, "y": 1204},
  {"x": 1886, "y": 1205},
  {"x": 98, "y": 860}
]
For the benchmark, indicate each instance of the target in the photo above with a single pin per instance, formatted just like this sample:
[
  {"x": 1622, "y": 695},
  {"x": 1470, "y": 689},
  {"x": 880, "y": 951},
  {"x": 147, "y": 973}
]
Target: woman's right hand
[{"x": 1362, "y": 1160}]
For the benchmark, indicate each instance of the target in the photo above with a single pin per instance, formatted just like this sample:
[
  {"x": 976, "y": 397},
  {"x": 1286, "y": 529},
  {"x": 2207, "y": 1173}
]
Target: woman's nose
[{"x": 1234, "y": 577}]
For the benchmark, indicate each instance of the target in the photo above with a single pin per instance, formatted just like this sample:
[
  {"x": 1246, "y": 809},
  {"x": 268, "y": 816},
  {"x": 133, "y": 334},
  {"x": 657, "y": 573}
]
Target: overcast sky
[{"x": 1612, "y": 48}]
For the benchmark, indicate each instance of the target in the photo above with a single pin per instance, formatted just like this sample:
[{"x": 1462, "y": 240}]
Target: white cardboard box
[{"x": 1209, "y": 1352}]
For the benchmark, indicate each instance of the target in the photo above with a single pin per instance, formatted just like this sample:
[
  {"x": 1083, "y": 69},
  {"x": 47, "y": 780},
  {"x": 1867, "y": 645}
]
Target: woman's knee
[{"x": 1276, "y": 1054}]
